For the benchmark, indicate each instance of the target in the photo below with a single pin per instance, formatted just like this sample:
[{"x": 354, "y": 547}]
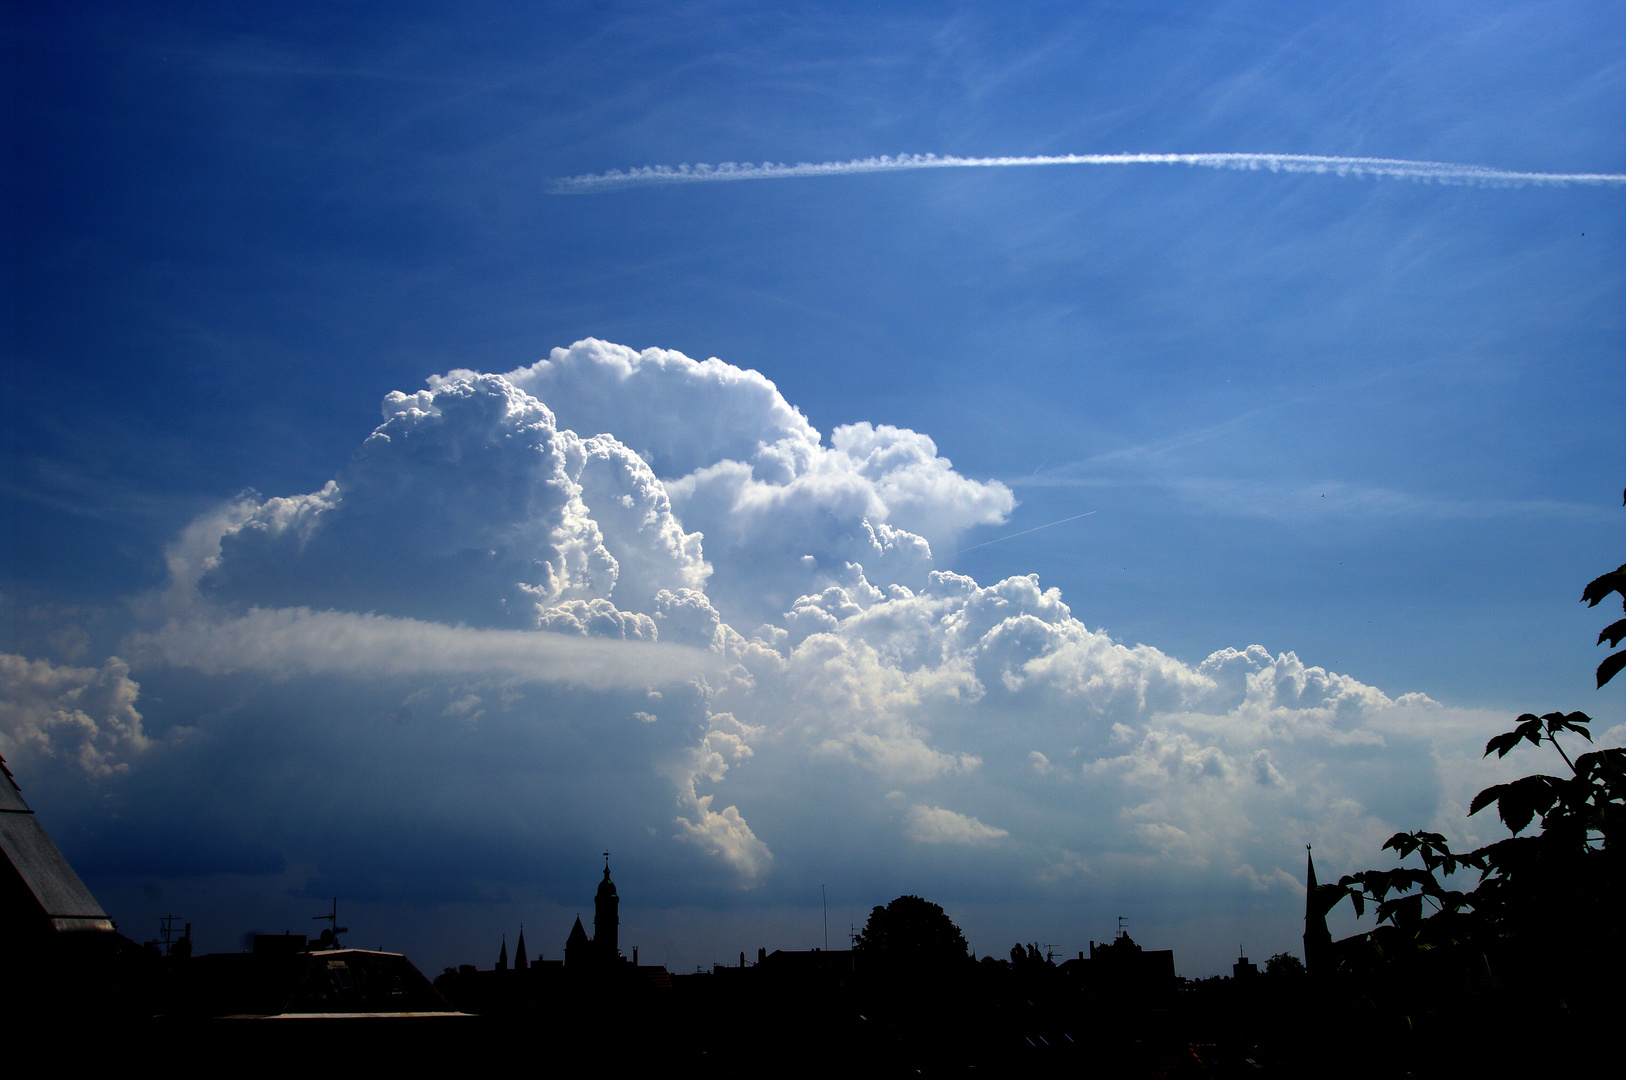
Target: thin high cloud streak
[
  {"x": 1443, "y": 172},
  {"x": 1024, "y": 532}
]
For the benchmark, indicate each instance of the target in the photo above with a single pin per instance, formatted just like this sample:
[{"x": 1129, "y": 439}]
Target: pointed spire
[
  {"x": 1317, "y": 939},
  {"x": 502, "y": 957},
  {"x": 520, "y": 962},
  {"x": 577, "y": 946}
]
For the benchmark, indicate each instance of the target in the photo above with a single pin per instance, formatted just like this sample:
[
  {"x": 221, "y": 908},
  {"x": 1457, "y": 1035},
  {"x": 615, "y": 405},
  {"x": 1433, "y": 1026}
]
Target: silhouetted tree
[
  {"x": 910, "y": 933},
  {"x": 1029, "y": 957},
  {"x": 1284, "y": 965},
  {"x": 1561, "y": 867}
]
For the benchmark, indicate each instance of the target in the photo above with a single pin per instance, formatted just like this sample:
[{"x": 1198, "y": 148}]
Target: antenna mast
[
  {"x": 166, "y": 932},
  {"x": 332, "y": 918}
]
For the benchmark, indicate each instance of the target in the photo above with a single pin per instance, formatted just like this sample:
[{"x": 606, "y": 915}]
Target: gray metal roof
[
  {"x": 58, "y": 890},
  {"x": 10, "y": 797},
  {"x": 62, "y": 897}
]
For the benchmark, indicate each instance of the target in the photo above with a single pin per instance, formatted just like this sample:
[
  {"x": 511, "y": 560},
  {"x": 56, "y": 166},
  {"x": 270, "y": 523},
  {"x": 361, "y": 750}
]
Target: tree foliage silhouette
[
  {"x": 910, "y": 934},
  {"x": 1561, "y": 865}
]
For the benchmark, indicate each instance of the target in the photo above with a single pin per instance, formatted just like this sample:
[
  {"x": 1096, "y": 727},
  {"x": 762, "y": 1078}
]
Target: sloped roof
[
  {"x": 10, "y": 797},
  {"x": 56, "y": 890}
]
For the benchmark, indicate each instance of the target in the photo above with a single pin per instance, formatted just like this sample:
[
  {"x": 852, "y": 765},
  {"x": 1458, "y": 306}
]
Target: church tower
[
  {"x": 1317, "y": 939},
  {"x": 607, "y": 917}
]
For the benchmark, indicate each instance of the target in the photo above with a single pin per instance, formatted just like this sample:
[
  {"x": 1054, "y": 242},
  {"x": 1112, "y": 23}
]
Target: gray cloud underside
[{"x": 292, "y": 641}]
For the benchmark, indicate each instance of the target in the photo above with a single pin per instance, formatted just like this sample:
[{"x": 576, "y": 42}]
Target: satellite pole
[
  {"x": 332, "y": 917},
  {"x": 166, "y": 932},
  {"x": 826, "y": 900}
]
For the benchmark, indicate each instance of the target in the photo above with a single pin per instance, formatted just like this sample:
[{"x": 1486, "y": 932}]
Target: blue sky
[{"x": 1373, "y": 423}]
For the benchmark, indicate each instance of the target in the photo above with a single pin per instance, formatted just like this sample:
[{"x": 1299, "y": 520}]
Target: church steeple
[
  {"x": 520, "y": 962},
  {"x": 577, "y": 947},
  {"x": 502, "y": 957},
  {"x": 607, "y": 917},
  {"x": 1317, "y": 939}
]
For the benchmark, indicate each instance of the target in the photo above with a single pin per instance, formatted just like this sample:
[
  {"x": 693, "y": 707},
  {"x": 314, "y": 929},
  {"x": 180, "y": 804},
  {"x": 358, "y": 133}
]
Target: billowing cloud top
[
  {"x": 468, "y": 504},
  {"x": 671, "y": 609}
]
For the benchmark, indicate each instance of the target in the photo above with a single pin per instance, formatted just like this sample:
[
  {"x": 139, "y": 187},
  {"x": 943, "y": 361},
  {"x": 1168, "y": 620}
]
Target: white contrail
[
  {"x": 1442, "y": 172},
  {"x": 1024, "y": 532}
]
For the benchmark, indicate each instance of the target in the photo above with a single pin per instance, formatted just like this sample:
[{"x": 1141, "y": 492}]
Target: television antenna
[
  {"x": 166, "y": 932},
  {"x": 332, "y": 918}
]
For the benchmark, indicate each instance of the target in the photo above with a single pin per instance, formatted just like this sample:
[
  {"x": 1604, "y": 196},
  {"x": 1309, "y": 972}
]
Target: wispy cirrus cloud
[{"x": 1442, "y": 172}]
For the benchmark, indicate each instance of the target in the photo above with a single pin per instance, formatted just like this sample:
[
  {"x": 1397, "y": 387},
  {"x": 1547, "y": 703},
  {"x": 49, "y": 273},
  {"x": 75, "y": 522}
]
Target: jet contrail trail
[
  {"x": 1024, "y": 532},
  {"x": 1442, "y": 172}
]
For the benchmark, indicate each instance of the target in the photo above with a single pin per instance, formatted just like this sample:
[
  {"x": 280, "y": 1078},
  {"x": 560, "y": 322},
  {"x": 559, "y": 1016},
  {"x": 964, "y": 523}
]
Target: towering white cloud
[
  {"x": 469, "y": 505},
  {"x": 680, "y": 414},
  {"x": 649, "y": 591},
  {"x": 83, "y": 716},
  {"x": 782, "y": 511}
]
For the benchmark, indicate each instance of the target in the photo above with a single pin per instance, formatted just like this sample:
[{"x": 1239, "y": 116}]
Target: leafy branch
[
  {"x": 1600, "y": 587},
  {"x": 1575, "y": 813},
  {"x": 1405, "y": 908}
]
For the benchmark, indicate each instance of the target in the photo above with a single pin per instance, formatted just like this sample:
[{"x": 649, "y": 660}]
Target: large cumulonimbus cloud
[{"x": 668, "y": 605}]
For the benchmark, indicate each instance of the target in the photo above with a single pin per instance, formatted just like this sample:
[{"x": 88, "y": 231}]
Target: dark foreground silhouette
[{"x": 1518, "y": 970}]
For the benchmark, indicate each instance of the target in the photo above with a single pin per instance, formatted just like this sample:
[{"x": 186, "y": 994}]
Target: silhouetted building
[
  {"x": 589, "y": 962},
  {"x": 1124, "y": 971},
  {"x": 283, "y": 978}
]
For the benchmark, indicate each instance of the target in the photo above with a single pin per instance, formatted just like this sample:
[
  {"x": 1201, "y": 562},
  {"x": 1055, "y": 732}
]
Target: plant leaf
[
  {"x": 1575, "y": 721},
  {"x": 1602, "y": 586},
  {"x": 1611, "y": 667},
  {"x": 1485, "y": 798},
  {"x": 1529, "y": 727}
]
